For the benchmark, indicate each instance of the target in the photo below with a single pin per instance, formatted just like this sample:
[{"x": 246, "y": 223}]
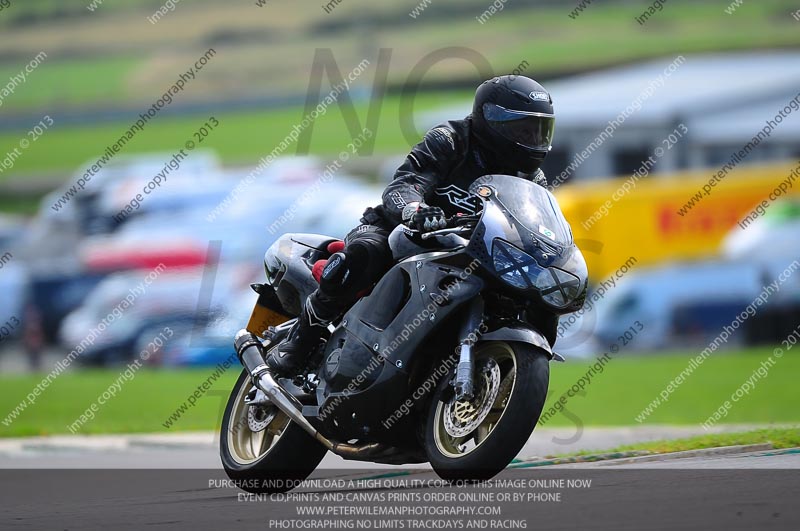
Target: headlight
[
  {"x": 556, "y": 287},
  {"x": 515, "y": 267}
]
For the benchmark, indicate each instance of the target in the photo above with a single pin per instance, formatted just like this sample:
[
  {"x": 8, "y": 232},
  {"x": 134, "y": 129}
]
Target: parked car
[
  {"x": 210, "y": 344},
  {"x": 677, "y": 304},
  {"x": 54, "y": 296},
  {"x": 177, "y": 298}
]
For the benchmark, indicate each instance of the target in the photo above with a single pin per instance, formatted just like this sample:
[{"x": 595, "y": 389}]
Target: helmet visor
[{"x": 532, "y": 130}]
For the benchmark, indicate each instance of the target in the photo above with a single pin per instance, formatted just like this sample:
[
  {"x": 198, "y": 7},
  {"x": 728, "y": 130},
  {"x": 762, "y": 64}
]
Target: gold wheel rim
[
  {"x": 245, "y": 446},
  {"x": 457, "y": 447}
]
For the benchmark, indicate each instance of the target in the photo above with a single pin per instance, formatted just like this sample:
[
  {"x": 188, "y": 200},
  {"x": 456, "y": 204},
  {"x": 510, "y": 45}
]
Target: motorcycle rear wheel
[
  {"x": 477, "y": 439},
  {"x": 274, "y": 459}
]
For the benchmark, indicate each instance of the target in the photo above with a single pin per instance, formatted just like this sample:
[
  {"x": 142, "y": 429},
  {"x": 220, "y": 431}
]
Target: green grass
[
  {"x": 65, "y": 83},
  {"x": 614, "y": 398},
  {"x": 629, "y": 384},
  {"x": 141, "y": 405}
]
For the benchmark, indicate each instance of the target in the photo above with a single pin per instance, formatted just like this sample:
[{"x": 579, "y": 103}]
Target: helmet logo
[{"x": 539, "y": 96}]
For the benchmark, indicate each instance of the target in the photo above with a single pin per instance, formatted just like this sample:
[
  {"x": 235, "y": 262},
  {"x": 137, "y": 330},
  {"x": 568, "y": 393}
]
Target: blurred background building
[{"x": 723, "y": 99}]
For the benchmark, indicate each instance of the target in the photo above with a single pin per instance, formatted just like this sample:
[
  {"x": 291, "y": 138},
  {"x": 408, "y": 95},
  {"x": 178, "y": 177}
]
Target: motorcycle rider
[{"x": 509, "y": 132}]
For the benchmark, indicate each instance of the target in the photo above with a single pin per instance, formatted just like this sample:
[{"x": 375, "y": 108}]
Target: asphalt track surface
[
  {"x": 201, "y": 450},
  {"x": 547, "y": 498},
  {"x": 753, "y": 490}
]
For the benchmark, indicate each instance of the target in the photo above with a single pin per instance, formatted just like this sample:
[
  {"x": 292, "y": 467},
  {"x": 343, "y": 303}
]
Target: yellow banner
[{"x": 668, "y": 217}]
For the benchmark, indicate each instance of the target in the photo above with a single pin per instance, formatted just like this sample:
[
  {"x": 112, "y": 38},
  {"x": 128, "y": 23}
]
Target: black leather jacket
[{"x": 438, "y": 171}]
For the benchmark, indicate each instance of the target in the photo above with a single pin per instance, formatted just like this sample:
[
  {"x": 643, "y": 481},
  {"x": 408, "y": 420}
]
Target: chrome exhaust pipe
[
  {"x": 289, "y": 405},
  {"x": 251, "y": 355}
]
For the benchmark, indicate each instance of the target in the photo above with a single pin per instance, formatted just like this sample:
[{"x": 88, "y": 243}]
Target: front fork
[{"x": 463, "y": 383}]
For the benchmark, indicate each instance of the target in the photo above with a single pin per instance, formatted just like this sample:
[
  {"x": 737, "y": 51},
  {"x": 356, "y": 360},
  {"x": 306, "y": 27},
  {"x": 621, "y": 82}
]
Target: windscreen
[{"x": 532, "y": 210}]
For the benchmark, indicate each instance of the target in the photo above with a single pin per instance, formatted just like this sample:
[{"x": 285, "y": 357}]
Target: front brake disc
[
  {"x": 462, "y": 417},
  {"x": 259, "y": 417}
]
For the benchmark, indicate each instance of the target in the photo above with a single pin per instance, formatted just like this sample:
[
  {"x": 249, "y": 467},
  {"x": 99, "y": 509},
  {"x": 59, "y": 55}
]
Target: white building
[{"x": 723, "y": 100}]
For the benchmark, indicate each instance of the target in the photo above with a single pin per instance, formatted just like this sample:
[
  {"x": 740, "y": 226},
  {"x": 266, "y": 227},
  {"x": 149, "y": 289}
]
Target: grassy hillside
[
  {"x": 113, "y": 58},
  {"x": 114, "y": 55},
  {"x": 242, "y": 137}
]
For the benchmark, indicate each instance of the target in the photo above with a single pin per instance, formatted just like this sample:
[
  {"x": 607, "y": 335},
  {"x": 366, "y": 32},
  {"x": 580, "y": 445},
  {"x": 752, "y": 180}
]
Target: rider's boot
[{"x": 303, "y": 337}]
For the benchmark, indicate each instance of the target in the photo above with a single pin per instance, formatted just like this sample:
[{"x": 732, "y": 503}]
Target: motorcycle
[{"x": 442, "y": 362}]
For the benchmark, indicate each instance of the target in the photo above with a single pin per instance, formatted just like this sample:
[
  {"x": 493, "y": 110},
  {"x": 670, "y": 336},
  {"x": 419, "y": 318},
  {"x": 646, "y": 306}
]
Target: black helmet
[{"x": 513, "y": 119}]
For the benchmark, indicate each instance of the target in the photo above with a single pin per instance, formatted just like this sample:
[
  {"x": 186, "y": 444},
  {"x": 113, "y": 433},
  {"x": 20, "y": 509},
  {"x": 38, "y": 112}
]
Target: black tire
[
  {"x": 286, "y": 463},
  {"x": 510, "y": 431}
]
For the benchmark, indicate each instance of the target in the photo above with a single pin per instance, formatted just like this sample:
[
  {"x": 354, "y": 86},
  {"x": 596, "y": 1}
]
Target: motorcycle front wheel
[
  {"x": 477, "y": 438},
  {"x": 261, "y": 448}
]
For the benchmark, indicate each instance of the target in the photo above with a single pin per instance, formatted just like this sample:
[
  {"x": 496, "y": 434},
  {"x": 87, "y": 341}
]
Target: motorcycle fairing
[
  {"x": 528, "y": 217},
  {"x": 365, "y": 372}
]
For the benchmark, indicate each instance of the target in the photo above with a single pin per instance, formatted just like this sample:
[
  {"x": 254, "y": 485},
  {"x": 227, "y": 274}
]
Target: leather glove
[{"x": 427, "y": 219}]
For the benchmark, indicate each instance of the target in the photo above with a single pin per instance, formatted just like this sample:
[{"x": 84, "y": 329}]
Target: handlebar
[
  {"x": 442, "y": 232},
  {"x": 455, "y": 224}
]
